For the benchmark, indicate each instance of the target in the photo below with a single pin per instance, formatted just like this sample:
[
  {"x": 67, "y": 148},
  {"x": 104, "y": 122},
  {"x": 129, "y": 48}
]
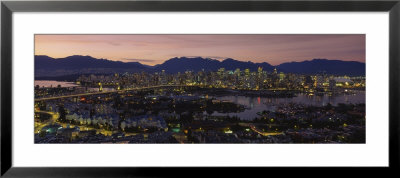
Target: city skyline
[
  {"x": 273, "y": 89},
  {"x": 156, "y": 49}
]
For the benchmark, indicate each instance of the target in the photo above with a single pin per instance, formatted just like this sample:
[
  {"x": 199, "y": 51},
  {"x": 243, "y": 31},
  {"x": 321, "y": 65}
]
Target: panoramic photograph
[{"x": 199, "y": 88}]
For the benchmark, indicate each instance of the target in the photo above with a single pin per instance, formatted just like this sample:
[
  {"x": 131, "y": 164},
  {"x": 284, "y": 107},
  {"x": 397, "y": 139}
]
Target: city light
[{"x": 195, "y": 99}]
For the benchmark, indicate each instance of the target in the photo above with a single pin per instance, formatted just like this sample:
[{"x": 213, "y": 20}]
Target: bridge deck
[{"x": 107, "y": 92}]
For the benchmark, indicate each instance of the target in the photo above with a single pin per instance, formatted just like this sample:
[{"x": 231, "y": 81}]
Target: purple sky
[{"x": 155, "y": 49}]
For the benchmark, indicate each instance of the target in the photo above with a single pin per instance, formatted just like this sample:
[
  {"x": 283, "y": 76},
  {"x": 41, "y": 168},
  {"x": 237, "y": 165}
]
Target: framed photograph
[{"x": 103, "y": 88}]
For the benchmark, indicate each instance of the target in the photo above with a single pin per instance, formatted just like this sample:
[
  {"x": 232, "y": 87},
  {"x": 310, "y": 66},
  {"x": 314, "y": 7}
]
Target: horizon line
[{"x": 203, "y": 58}]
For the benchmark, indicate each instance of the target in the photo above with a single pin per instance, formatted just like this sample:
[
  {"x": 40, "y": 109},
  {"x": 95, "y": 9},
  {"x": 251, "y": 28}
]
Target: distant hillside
[
  {"x": 336, "y": 67},
  {"x": 183, "y": 64},
  {"x": 47, "y": 66}
]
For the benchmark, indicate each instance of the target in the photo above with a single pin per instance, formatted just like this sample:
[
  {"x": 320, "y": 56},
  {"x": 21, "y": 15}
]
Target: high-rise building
[
  {"x": 260, "y": 69},
  {"x": 275, "y": 71},
  {"x": 281, "y": 76}
]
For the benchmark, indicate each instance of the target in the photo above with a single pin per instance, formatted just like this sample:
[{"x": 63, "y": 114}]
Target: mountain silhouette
[
  {"x": 47, "y": 66},
  {"x": 231, "y": 64},
  {"x": 318, "y": 66},
  {"x": 183, "y": 64},
  {"x": 195, "y": 64},
  {"x": 72, "y": 65}
]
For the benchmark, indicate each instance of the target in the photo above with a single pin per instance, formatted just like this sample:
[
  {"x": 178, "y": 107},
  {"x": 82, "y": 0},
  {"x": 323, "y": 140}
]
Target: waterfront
[
  {"x": 187, "y": 113},
  {"x": 200, "y": 89},
  {"x": 255, "y": 105},
  {"x": 53, "y": 84}
]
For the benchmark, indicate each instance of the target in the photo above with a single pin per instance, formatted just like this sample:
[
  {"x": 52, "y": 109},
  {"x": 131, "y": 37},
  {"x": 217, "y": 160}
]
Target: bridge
[
  {"x": 108, "y": 92},
  {"x": 252, "y": 127}
]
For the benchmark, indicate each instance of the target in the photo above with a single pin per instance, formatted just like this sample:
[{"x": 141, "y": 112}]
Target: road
[
  {"x": 40, "y": 125},
  {"x": 107, "y": 92},
  {"x": 55, "y": 116},
  {"x": 252, "y": 127}
]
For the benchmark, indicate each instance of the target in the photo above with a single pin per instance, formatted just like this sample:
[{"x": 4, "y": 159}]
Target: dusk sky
[{"x": 155, "y": 49}]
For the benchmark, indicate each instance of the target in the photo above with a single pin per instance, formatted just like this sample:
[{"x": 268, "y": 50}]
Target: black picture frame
[{"x": 8, "y": 7}]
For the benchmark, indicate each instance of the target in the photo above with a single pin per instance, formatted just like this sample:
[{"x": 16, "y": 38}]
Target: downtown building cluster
[{"x": 232, "y": 79}]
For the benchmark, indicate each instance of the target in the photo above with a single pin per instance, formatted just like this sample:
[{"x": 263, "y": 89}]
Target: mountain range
[
  {"x": 76, "y": 64},
  {"x": 47, "y": 66},
  {"x": 183, "y": 64}
]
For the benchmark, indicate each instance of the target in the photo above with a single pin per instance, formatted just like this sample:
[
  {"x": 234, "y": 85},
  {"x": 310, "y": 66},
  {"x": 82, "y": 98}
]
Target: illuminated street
[{"x": 200, "y": 89}]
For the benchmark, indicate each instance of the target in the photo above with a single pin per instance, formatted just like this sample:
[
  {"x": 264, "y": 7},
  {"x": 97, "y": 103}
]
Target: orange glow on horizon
[{"x": 155, "y": 49}]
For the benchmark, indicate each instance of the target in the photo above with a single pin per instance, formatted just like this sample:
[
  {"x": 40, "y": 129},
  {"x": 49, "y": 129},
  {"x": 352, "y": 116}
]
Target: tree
[
  {"x": 328, "y": 106},
  {"x": 92, "y": 113},
  {"x": 118, "y": 102},
  {"x": 62, "y": 112},
  {"x": 42, "y": 133},
  {"x": 187, "y": 118},
  {"x": 42, "y": 106}
]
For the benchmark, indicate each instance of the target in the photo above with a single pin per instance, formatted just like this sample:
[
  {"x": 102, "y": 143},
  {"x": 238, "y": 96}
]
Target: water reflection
[
  {"x": 258, "y": 104},
  {"x": 53, "y": 84}
]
